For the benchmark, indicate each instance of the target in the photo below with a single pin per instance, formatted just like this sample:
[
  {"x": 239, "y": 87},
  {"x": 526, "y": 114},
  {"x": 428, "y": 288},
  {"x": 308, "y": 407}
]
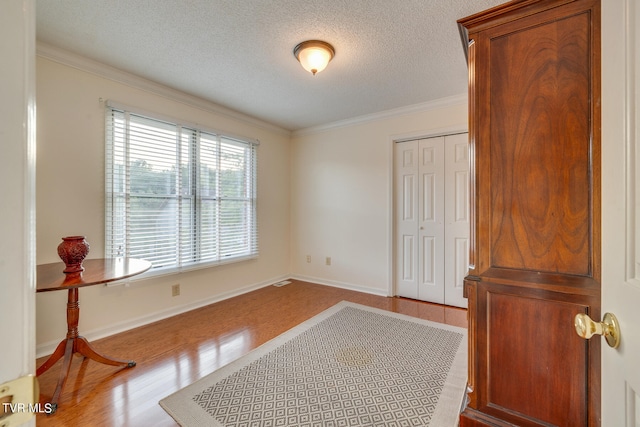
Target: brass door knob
[{"x": 609, "y": 328}]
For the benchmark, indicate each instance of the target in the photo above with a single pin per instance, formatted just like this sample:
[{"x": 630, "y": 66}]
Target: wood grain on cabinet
[{"x": 534, "y": 121}]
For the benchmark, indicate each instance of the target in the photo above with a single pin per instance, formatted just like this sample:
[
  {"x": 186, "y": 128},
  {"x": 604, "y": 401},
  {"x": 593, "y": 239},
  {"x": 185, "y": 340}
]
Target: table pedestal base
[{"x": 74, "y": 343}]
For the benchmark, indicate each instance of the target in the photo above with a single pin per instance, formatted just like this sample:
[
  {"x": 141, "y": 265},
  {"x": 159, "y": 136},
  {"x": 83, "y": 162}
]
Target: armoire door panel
[
  {"x": 534, "y": 120},
  {"x": 540, "y": 218},
  {"x": 521, "y": 359}
]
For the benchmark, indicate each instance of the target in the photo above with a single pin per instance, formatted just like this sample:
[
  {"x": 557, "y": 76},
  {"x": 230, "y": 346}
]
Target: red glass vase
[{"x": 73, "y": 250}]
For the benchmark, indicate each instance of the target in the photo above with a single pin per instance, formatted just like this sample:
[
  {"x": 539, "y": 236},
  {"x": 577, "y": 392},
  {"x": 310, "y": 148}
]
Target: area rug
[{"x": 351, "y": 365}]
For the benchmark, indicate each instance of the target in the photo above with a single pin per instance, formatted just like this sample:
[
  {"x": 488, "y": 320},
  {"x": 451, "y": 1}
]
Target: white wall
[
  {"x": 70, "y": 201},
  {"x": 341, "y": 196},
  {"x": 320, "y": 193}
]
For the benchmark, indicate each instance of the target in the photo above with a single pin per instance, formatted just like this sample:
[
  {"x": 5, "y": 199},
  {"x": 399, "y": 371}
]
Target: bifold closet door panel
[
  {"x": 419, "y": 213},
  {"x": 431, "y": 195},
  {"x": 457, "y": 222},
  {"x": 406, "y": 218},
  {"x": 431, "y": 230}
]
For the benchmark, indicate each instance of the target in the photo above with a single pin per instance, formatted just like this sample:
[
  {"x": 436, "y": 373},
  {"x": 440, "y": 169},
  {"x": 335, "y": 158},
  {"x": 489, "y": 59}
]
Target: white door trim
[
  {"x": 620, "y": 210},
  {"x": 17, "y": 173}
]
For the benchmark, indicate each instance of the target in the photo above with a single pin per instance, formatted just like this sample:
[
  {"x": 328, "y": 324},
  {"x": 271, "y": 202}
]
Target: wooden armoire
[{"x": 534, "y": 135}]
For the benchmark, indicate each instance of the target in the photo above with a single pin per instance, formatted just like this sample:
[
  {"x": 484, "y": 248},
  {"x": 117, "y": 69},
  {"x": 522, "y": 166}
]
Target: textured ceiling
[{"x": 238, "y": 53}]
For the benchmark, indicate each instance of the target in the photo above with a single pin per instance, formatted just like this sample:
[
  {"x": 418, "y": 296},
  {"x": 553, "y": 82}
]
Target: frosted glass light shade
[{"x": 314, "y": 55}]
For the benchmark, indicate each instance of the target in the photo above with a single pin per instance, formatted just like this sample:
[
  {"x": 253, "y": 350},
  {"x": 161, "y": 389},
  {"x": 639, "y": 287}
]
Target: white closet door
[
  {"x": 431, "y": 224},
  {"x": 419, "y": 213},
  {"x": 432, "y": 218},
  {"x": 406, "y": 218},
  {"x": 457, "y": 218}
]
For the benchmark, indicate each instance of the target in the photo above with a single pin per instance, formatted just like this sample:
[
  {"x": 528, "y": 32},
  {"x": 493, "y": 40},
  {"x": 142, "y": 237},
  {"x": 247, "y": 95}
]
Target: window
[{"x": 176, "y": 195}]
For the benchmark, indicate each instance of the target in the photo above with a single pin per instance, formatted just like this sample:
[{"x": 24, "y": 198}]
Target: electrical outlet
[
  {"x": 327, "y": 261},
  {"x": 175, "y": 290},
  {"x": 308, "y": 258}
]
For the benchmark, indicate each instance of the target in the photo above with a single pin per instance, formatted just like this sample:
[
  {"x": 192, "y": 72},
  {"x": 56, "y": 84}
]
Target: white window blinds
[{"x": 176, "y": 195}]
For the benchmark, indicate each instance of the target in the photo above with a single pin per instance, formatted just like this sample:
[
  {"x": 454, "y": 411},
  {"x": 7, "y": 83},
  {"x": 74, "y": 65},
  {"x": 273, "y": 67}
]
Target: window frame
[{"x": 119, "y": 195}]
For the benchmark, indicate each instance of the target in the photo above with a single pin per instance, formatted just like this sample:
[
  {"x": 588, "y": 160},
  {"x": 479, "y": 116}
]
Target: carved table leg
[
  {"x": 64, "y": 373},
  {"x": 74, "y": 343},
  {"x": 57, "y": 354},
  {"x": 83, "y": 347}
]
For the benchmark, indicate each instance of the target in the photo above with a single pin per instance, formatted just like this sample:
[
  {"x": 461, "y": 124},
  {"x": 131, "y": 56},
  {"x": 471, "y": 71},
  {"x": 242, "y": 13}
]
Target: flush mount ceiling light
[{"x": 314, "y": 55}]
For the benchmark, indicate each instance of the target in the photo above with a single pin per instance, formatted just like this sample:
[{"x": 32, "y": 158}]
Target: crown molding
[
  {"x": 450, "y": 101},
  {"x": 82, "y": 63}
]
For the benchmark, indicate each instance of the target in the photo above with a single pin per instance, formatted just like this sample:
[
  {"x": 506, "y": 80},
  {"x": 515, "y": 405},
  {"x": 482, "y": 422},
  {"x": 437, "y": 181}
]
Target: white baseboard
[
  {"x": 342, "y": 285},
  {"x": 47, "y": 348}
]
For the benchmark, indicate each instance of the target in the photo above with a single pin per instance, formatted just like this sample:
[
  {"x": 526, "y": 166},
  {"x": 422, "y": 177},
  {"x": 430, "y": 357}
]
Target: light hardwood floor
[{"x": 175, "y": 352}]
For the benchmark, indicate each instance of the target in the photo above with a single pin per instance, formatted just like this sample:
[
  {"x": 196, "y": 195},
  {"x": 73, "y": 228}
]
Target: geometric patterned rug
[{"x": 351, "y": 365}]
